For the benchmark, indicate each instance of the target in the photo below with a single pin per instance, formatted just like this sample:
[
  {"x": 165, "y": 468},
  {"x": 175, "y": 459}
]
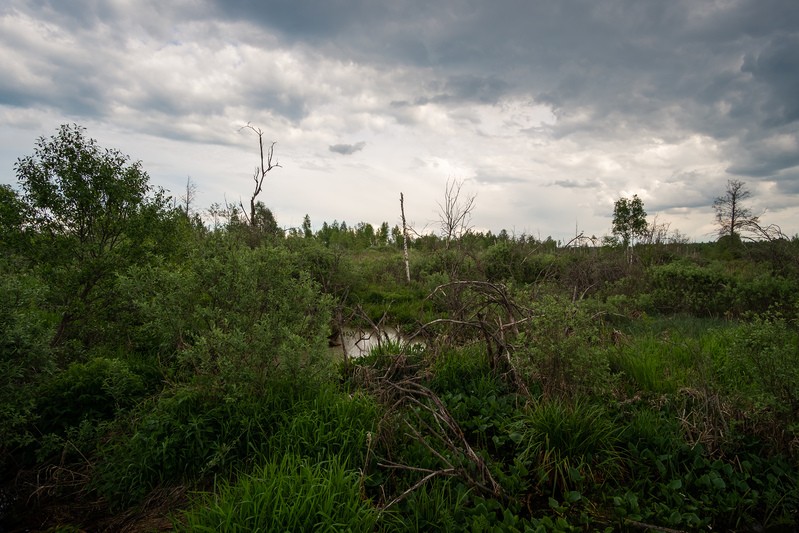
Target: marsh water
[{"x": 357, "y": 342}]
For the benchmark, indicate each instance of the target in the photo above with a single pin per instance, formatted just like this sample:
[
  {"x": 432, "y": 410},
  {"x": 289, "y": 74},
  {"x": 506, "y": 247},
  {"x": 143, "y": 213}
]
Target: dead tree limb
[{"x": 260, "y": 172}]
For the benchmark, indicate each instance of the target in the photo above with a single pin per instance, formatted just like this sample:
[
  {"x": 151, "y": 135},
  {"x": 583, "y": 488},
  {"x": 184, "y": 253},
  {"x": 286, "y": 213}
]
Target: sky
[{"x": 547, "y": 111}]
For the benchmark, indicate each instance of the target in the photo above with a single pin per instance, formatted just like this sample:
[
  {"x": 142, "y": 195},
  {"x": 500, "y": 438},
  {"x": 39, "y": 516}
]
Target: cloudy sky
[{"x": 548, "y": 111}]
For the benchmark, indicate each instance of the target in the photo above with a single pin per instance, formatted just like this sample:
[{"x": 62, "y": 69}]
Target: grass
[
  {"x": 569, "y": 446},
  {"x": 289, "y": 494},
  {"x": 664, "y": 355}
]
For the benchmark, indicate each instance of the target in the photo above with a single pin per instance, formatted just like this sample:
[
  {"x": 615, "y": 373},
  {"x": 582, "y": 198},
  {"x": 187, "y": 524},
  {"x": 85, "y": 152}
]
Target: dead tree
[
  {"x": 731, "y": 215},
  {"x": 405, "y": 239},
  {"x": 455, "y": 214},
  {"x": 260, "y": 172},
  {"x": 188, "y": 198}
]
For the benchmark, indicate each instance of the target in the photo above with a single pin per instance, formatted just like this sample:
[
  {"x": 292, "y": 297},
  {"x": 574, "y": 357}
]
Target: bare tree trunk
[
  {"x": 191, "y": 193},
  {"x": 405, "y": 239},
  {"x": 455, "y": 213},
  {"x": 260, "y": 172}
]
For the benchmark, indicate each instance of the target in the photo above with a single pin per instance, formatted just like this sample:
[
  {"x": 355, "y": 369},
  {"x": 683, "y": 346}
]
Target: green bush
[
  {"x": 241, "y": 316},
  {"x": 96, "y": 390},
  {"x": 25, "y": 357},
  {"x": 179, "y": 438},
  {"x": 561, "y": 349},
  {"x": 763, "y": 364},
  {"x": 683, "y": 287}
]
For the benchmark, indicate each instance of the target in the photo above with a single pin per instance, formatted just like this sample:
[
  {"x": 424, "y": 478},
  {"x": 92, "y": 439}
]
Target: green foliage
[
  {"x": 440, "y": 506},
  {"x": 94, "y": 391},
  {"x": 85, "y": 214},
  {"x": 329, "y": 424},
  {"x": 182, "y": 436},
  {"x": 238, "y": 316},
  {"x": 668, "y": 355},
  {"x": 522, "y": 262},
  {"x": 762, "y": 365},
  {"x": 289, "y": 494},
  {"x": 25, "y": 359},
  {"x": 557, "y": 350},
  {"x": 685, "y": 287},
  {"x": 329, "y": 267},
  {"x": 597, "y": 389},
  {"x": 480, "y": 401},
  {"x": 629, "y": 219},
  {"x": 568, "y": 446},
  {"x": 678, "y": 486},
  {"x": 193, "y": 433},
  {"x": 13, "y": 213}
]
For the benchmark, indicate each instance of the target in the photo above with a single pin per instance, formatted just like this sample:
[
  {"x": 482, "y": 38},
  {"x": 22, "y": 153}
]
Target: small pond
[{"x": 357, "y": 342}]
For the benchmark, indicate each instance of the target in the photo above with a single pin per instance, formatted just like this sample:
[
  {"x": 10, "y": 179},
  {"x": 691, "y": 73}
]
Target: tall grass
[
  {"x": 569, "y": 446},
  {"x": 669, "y": 355},
  {"x": 289, "y": 494},
  {"x": 331, "y": 424}
]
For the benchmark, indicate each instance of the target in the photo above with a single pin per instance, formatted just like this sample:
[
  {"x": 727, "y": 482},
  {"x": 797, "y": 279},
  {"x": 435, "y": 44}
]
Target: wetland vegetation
[{"x": 158, "y": 373}]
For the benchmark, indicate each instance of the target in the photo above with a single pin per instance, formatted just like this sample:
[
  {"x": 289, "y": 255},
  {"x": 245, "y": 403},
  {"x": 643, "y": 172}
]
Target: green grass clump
[
  {"x": 330, "y": 424},
  {"x": 290, "y": 494},
  {"x": 568, "y": 446}
]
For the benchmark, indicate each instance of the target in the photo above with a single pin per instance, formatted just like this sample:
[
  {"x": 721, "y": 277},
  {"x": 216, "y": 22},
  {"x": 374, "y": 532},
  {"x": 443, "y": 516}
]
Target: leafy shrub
[
  {"x": 560, "y": 348},
  {"x": 685, "y": 287},
  {"x": 95, "y": 391},
  {"x": 765, "y": 292},
  {"x": 241, "y": 316},
  {"x": 184, "y": 435},
  {"x": 763, "y": 364},
  {"x": 25, "y": 358},
  {"x": 712, "y": 291}
]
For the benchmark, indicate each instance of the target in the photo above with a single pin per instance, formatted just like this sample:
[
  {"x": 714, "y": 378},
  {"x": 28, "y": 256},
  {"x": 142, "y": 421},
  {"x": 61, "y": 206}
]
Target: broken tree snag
[
  {"x": 260, "y": 172},
  {"x": 405, "y": 239}
]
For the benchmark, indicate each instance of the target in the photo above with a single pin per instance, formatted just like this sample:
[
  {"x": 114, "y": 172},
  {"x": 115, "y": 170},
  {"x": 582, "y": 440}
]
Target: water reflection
[{"x": 356, "y": 342}]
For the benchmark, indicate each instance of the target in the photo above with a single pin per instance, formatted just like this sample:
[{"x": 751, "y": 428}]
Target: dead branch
[
  {"x": 440, "y": 428},
  {"x": 455, "y": 213},
  {"x": 487, "y": 311},
  {"x": 260, "y": 172}
]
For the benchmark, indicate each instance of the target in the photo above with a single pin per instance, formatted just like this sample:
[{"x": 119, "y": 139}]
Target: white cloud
[{"x": 550, "y": 111}]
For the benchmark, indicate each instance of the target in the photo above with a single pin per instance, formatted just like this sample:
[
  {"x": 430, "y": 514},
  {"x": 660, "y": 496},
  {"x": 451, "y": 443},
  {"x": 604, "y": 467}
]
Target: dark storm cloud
[
  {"x": 611, "y": 77},
  {"x": 303, "y": 21},
  {"x": 776, "y": 69},
  {"x": 459, "y": 89},
  {"x": 788, "y": 184},
  {"x": 347, "y": 149}
]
